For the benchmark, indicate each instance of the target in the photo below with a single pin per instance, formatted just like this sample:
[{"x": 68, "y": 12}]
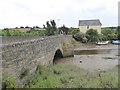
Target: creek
[{"x": 93, "y": 57}]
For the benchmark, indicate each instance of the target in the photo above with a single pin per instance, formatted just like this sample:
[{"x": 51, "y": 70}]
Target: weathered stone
[{"x": 29, "y": 54}]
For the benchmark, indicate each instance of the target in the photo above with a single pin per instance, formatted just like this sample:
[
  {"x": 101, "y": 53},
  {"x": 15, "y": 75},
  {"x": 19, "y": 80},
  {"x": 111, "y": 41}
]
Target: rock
[{"x": 80, "y": 61}]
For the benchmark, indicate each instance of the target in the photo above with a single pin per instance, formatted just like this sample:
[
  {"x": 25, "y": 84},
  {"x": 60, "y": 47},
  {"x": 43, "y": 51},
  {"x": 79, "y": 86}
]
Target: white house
[{"x": 85, "y": 25}]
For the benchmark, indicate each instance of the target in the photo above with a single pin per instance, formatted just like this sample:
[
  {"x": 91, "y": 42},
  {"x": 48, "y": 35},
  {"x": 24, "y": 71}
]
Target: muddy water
[{"x": 94, "y": 57}]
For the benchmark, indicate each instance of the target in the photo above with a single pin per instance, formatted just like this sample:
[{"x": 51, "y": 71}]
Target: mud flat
[{"x": 94, "y": 57}]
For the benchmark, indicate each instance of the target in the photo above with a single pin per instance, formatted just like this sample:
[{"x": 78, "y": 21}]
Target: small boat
[
  {"x": 102, "y": 43},
  {"x": 116, "y": 42}
]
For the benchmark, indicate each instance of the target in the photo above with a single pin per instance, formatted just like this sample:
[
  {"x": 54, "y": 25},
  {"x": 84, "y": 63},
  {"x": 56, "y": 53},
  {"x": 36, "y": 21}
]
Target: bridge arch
[{"x": 58, "y": 54}]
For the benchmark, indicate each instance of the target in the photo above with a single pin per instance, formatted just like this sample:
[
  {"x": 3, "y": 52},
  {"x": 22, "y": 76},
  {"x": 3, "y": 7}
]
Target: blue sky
[{"x": 16, "y": 13}]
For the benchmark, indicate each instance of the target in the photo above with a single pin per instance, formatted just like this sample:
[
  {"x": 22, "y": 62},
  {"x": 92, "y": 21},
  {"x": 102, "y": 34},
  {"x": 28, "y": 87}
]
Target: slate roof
[{"x": 89, "y": 22}]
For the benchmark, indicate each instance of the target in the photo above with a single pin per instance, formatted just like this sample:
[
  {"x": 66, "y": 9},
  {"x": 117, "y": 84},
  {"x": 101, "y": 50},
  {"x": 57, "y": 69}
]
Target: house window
[{"x": 88, "y": 27}]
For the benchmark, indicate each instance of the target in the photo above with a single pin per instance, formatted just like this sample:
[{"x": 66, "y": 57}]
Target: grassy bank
[{"x": 66, "y": 75}]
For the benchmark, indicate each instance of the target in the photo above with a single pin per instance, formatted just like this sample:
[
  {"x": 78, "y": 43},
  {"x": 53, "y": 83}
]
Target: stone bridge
[{"x": 21, "y": 53}]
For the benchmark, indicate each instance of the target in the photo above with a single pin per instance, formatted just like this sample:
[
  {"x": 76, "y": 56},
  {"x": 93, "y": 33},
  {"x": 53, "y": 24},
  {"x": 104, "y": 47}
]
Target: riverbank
[
  {"x": 94, "y": 46},
  {"x": 64, "y": 75},
  {"x": 80, "y": 71}
]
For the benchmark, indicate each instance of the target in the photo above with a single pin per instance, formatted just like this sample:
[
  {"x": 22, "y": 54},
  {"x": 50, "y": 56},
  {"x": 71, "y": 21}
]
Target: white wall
[{"x": 84, "y": 28}]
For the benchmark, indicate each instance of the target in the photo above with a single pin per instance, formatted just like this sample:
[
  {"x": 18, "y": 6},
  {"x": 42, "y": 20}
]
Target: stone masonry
[{"x": 19, "y": 55}]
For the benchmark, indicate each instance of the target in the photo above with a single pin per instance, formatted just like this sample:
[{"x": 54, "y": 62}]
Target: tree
[
  {"x": 64, "y": 29},
  {"x": 53, "y": 27},
  {"x": 109, "y": 34},
  {"x": 16, "y": 27},
  {"x": 50, "y": 27},
  {"x": 44, "y": 26},
  {"x": 5, "y": 29},
  {"x": 26, "y": 27},
  {"x": 53, "y": 24},
  {"x": 92, "y": 35},
  {"x": 21, "y": 27},
  {"x": 106, "y": 32},
  {"x": 37, "y": 27}
]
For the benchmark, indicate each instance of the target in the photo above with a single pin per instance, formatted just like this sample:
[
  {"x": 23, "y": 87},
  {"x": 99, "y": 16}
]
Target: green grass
[
  {"x": 66, "y": 75},
  {"x": 9, "y": 82},
  {"x": 19, "y": 33}
]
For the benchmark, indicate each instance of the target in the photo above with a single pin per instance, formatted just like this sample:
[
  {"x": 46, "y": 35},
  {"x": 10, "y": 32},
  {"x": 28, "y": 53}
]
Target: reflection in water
[
  {"x": 93, "y": 59},
  {"x": 90, "y": 52}
]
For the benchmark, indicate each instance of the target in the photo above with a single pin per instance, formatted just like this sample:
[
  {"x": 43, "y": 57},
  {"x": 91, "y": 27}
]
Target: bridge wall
[{"x": 26, "y": 55}]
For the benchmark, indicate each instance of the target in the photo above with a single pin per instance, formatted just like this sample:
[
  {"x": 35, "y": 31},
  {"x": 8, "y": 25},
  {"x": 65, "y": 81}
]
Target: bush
[
  {"x": 79, "y": 36},
  {"x": 102, "y": 37},
  {"x": 74, "y": 31},
  {"x": 106, "y": 32},
  {"x": 92, "y": 35}
]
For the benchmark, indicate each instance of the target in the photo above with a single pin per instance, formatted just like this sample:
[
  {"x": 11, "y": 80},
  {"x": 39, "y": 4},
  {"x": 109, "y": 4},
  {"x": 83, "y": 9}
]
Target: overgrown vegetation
[
  {"x": 92, "y": 35},
  {"x": 73, "y": 31},
  {"x": 108, "y": 34},
  {"x": 80, "y": 37},
  {"x": 9, "y": 82},
  {"x": 13, "y": 32},
  {"x": 70, "y": 76},
  {"x": 64, "y": 30},
  {"x": 51, "y": 28}
]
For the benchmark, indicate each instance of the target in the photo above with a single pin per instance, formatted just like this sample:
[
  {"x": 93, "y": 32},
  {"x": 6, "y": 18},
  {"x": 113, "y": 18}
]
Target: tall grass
[
  {"x": 9, "y": 82},
  {"x": 66, "y": 75}
]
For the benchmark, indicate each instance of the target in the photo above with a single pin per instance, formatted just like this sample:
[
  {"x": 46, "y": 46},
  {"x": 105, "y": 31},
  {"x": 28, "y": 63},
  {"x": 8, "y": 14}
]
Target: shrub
[
  {"x": 106, "y": 32},
  {"x": 109, "y": 34},
  {"x": 92, "y": 35},
  {"x": 79, "y": 36},
  {"x": 75, "y": 31}
]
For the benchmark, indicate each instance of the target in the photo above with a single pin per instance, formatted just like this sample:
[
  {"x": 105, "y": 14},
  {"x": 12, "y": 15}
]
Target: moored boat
[
  {"x": 116, "y": 42},
  {"x": 102, "y": 43}
]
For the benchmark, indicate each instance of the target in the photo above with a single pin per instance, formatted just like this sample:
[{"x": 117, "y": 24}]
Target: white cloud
[{"x": 36, "y": 12}]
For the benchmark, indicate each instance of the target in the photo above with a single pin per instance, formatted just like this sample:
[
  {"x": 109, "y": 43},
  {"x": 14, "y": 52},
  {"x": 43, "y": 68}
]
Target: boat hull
[
  {"x": 102, "y": 43},
  {"x": 116, "y": 42}
]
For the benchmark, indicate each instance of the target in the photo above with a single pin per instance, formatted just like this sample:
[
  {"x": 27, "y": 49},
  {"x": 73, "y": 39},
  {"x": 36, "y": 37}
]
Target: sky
[{"x": 16, "y": 13}]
